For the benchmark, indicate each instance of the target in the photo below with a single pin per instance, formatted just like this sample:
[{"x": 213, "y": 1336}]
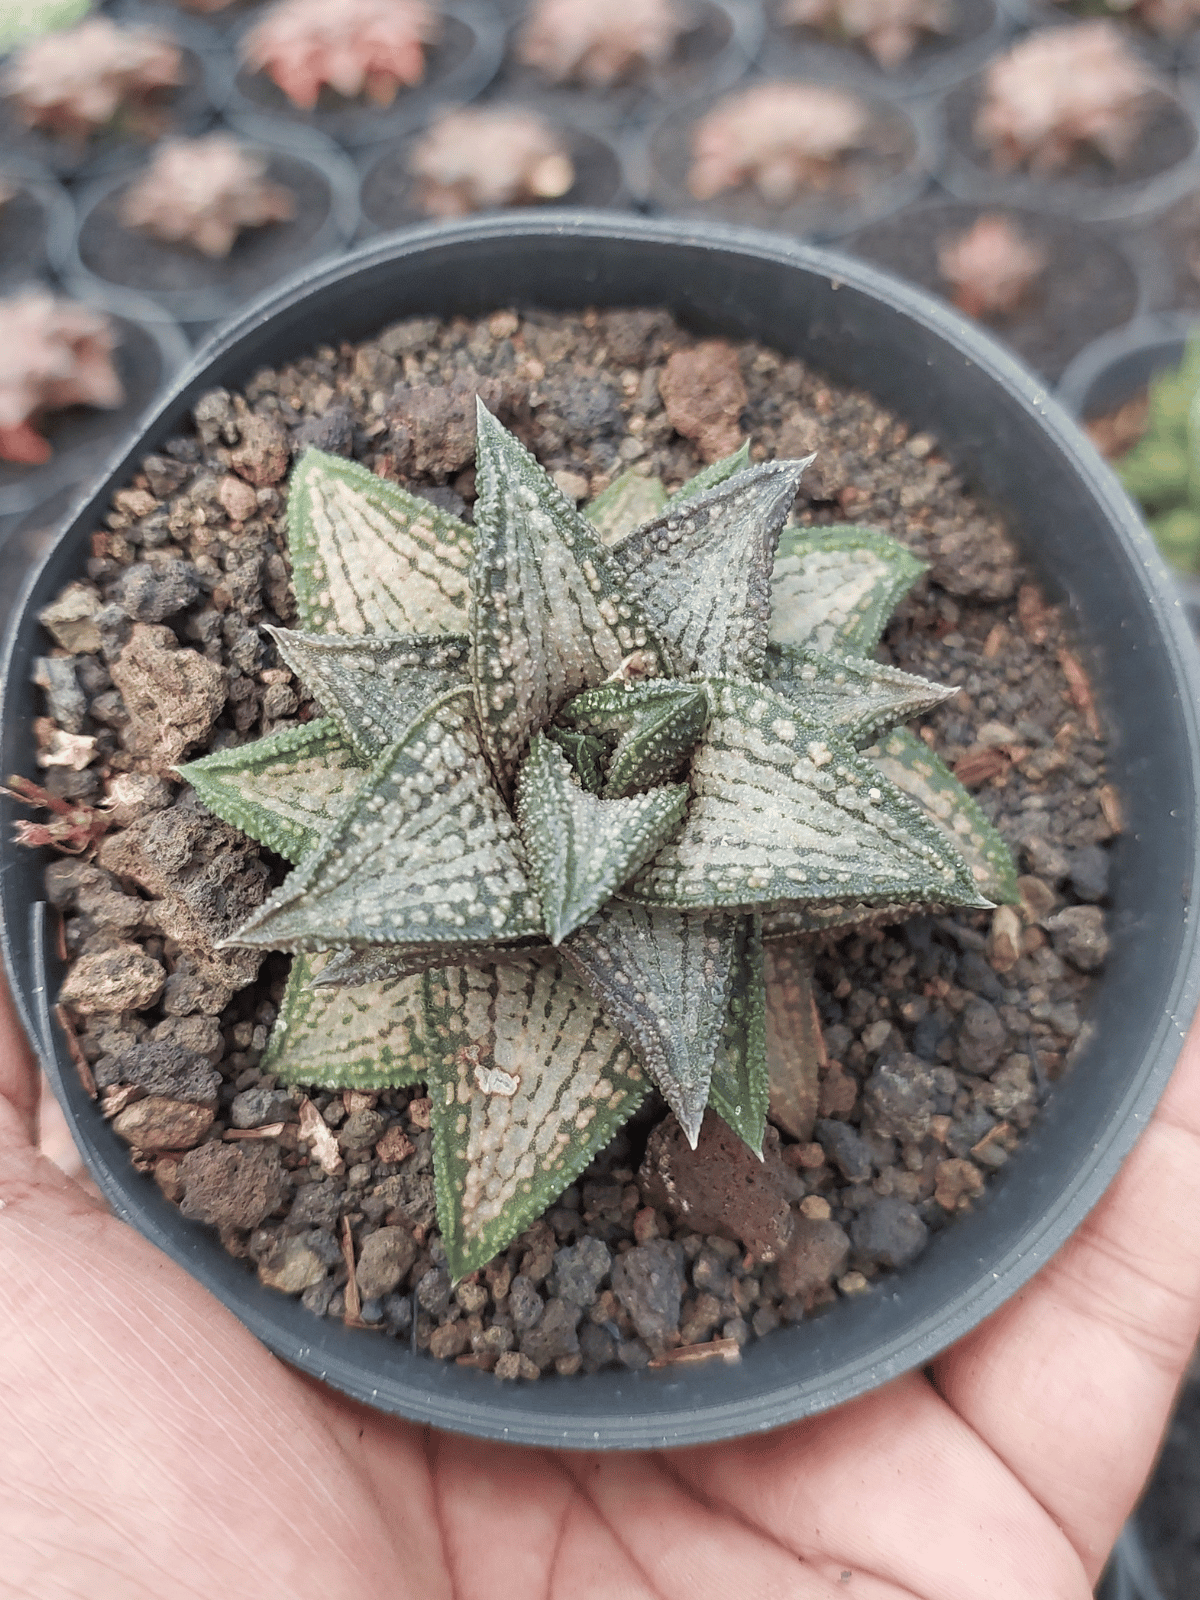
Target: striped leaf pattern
[
  {"x": 370, "y": 1037},
  {"x": 368, "y": 557},
  {"x": 528, "y": 1080},
  {"x": 740, "y": 1087},
  {"x": 856, "y": 696},
  {"x": 834, "y": 588}
]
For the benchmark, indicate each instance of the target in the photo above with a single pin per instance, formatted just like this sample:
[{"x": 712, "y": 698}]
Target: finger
[
  {"x": 18, "y": 1068},
  {"x": 858, "y": 1487},
  {"x": 1073, "y": 1381}
]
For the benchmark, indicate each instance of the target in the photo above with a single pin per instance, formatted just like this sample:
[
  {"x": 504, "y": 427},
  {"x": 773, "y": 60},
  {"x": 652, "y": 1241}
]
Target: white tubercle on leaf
[{"x": 835, "y": 588}]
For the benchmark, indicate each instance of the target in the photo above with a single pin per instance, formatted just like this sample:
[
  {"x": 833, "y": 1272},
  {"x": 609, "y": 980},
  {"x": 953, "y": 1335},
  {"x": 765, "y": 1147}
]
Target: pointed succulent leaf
[
  {"x": 629, "y": 500},
  {"x": 370, "y": 1037},
  {"x": 853, "y": 694},
  {"x": 426, "y": 854},
  {"x": 704, "y": 569},
  {"x": 527, "y": 1080},
  {"x": 377, "y": 963},
  {"x": 652, "y": 728},
  {"x": 368, "y": 557},
  {"x": 924, "y": 777},
  {"x": 374, "y": 685},
  {"x": 550, "y": 614},
  {"x": 824, "y": 916},
  {"x": 581, "y": 849},
  {"x": 286, "y": 790},
  {"x": 716, "y": 472},
  {"x": 782, "y": 812},
  {"x": 835, "y": 588},
  {"x": 663, "y": 979},
  {"x": 739, "y": 1091},
  {"x": 586, "y": 754}
]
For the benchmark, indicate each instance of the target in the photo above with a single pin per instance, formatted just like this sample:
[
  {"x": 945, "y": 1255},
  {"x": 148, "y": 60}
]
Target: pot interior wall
[{"x": 999, "y": 426}]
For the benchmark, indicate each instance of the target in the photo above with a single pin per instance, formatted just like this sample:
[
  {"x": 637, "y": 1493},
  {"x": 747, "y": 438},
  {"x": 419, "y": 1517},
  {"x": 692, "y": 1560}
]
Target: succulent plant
[
  {"x": 784, "y": 138},
  {"x": 991, "y": 267},
  {"x": 203, "y": 192},
  {"x": 1058, "y": 93},
  {"x": 572, "y": 769},
  {"x": 1162, "y": 471},
  {"x": 56, "y": 353},
  {"x": 471, "y": 159},
  {"x": 75, "y": 82},
  {"x": 577, "y": 41},
  {"x": 370, "y": 47},
  {"x": 890, "y": 29}
]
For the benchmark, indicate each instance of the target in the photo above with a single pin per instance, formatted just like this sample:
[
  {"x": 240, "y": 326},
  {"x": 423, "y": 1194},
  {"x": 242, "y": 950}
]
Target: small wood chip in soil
[
  {"x": 75, "y": 1049},
  {"x": 353, "y": 1317},
  {"x": 688, "y": 1354},
  {"x": 270, "y": 1130},
  {"x": 1081, "y": 692},
  {"x": 319, "y": 1134}
]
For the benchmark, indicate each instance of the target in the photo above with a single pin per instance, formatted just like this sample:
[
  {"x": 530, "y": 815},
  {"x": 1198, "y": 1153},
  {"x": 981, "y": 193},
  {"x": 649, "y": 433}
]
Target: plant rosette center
[{"x": 574, "y": 768}]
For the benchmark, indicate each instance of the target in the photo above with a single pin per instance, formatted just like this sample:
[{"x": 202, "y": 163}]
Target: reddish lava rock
[
  {"x": 817, "y": 1252},
  {"x": 704, "y": 396},
  {"x": 722, "y": 1187},
  {"x": 231, "y": 1185}
]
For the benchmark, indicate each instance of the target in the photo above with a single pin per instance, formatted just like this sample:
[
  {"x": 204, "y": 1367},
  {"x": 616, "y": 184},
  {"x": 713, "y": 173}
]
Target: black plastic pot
[
  {"x": 979, "y": 30},
  {"x": 185, "y": 110},
  {"x": 892, "y": 172},
  {"x": 31, "y": 223},
  {"x": 457, "y": 68},
  {"x": 150, "y": 351},
  {"x": 1087, "y": 288},
  {"x": 107, "y": 260},
  {"x": 1113, "y": 370},
  {"x": 389, "y": 197},
  {"x": 713, "y": 52},
  {"x": 1163, "y": 165},
  {"x": 1079, "y": 532}
]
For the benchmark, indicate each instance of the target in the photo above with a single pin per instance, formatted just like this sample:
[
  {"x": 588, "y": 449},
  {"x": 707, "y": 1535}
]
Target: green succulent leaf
[
  {"x": 426, "y": 854},
  {"x": 374, "y": 685},
  {"x": 651, "y": 727},
  {"x": 704, "y": 569},
  {"x": 528, "y": 1080},
  {"x": 586, "y": 754},
  {"x": 856, "y": 696},
  {"x": 550, "y": 615},
  {"x": 378, "y": 963},
  {"x": 781, "y": 811},
  {"x": 629, "y": 500},
  {"x": 835, "y": 588},
  {"x": 370, "y": 1037},
  {"x": 368, "y": 557},
  {"x": 581, "y": 848},
  {"x": 740, "y": 1089},
  {"x": 663, "y": 978},
  {"x": 789, "y": 921},
  {"x": 716, "y": 472},
  {"x": 912, "y": 766},
  {"x": 286, "y": 790}
]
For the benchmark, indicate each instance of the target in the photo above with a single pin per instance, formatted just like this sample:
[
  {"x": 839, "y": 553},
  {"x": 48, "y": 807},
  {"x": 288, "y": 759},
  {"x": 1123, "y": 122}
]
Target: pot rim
[{"x": 647, "y": 1410}]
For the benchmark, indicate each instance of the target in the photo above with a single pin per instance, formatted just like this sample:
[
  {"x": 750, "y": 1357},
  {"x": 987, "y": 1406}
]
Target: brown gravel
[{"x": 939, "y": 1037}]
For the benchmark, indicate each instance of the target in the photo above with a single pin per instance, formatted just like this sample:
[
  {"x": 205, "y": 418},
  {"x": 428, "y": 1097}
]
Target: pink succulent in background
[
  {"x": 474, "y": 159},
  {"x": 1059, "y": 92},
  {"x": 203, "y": 192},
  {"x": 56, "y": 353},
  {"x": 370, "y": 47},
  {"x": 75, "y": 82},
  {"x": 991, "y": 267},
  {"x": 783, "y": 138},
  {"x": 599, "y": 42},
  {"x": 890, "y": 29}
]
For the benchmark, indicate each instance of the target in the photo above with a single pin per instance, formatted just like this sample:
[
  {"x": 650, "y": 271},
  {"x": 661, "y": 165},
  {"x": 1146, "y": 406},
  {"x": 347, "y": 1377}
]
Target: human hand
[{"x": 149, "y": 1446}]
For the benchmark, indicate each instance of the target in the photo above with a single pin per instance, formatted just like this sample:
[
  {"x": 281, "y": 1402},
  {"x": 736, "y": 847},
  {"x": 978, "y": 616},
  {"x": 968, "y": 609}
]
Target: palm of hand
[{"x": 150, "y": 1446}]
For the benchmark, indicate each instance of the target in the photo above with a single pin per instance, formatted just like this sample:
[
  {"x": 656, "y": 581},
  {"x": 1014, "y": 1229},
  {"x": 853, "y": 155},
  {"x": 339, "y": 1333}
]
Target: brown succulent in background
[
  {"x": 991, "y": 267},
  {"x": 781, "y": 138},
  {"x": 371, "y": 47},
  {"x": 473, "y": 159},
  {"x": 579, "y": 41},
  {"x": 56, "y": 353},
  {"x": 203, "y": 192},
  {"x": 77, "y": 81},
  {"x": 1060, "y": 92},
  {"x": 890, "y": 29}
]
